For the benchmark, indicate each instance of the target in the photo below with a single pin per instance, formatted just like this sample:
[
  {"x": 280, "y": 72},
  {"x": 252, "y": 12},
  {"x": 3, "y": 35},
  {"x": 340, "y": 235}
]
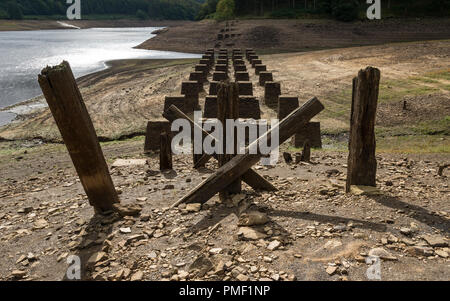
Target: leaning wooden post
[
  {"x": 165, "y": 152},
  {"x": 228, "y": 108},
  {"x": 67, "y": 106},
  {"x": 362, "y": 164}
]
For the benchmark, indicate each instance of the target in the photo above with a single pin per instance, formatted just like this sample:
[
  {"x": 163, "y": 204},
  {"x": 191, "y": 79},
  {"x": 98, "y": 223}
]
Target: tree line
[
  {"x": 143, "y": 9},
  {"x": 345, "y": 10}
]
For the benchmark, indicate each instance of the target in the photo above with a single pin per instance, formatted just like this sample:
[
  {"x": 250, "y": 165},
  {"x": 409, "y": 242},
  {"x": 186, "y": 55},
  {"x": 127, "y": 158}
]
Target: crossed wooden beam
[
  {"x": 251, "y": 177},
  {"x": 240, "y": 165}
]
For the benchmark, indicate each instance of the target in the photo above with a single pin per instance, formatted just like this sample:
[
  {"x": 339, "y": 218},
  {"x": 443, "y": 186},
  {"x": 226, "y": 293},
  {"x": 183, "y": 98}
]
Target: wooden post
[
  {"x": 362, "y": 164},
  {"x": 240, "y": 164},
  {"x": 165, "y": 153},
  {"x": 228, "y": 108},
  {"x": 306, "y": 154},
  {"x": 67, "y": 106}
]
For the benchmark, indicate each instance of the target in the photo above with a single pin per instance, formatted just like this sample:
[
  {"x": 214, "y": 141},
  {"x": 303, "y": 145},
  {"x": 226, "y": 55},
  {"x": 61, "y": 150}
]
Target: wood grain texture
[
  {"x": 72, "y": 118},
  {"x": 362, "y": 164}
]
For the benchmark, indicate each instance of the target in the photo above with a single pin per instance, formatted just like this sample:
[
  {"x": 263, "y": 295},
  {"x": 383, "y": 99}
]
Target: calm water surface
[{"x": 23, "y": 54}]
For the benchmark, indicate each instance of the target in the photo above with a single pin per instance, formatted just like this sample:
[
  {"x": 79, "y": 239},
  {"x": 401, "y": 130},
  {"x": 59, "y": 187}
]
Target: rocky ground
[{"x": 308, "y": 230}]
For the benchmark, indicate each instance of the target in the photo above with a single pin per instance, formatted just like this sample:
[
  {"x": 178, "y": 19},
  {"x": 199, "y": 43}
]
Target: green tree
[
  {"x": 225, "y": 10},
  {"x": 14, "y": 11},
  {"x": 346, "y": 10},
  {"x": 3, "y": 14},
  {"x": 142, "y": 15}
]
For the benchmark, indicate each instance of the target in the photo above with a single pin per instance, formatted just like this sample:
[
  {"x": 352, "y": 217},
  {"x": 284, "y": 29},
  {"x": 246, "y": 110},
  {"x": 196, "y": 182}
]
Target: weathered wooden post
[
  {"x": 306, "y": 153},
  {"x": 69, "y": 111},
  {"x": 362, "y": 164},
  {"x": 228, "y": 108},
  {"x": 165, "y": 153}
]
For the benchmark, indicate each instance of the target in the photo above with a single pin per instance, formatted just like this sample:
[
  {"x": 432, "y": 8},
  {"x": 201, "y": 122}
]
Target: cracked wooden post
[
  {"x": 240, "y": 164},
  {"x": 362, "y": 164},
  {"x": 228, "y": 108},
  {"x": 72, "y": 118}
]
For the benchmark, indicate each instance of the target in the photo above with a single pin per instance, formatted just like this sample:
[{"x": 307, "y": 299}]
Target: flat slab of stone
[
  {"x": 129, "y": 162},
  {"x": 364, "y": 190},
  {"x": 435, "y": 241}
]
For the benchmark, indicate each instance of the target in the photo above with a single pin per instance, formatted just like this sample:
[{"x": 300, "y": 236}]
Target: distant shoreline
[{"x": 26, "y": 25}]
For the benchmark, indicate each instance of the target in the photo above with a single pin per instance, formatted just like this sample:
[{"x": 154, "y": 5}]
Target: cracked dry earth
[{"x": 308, "y": 230}]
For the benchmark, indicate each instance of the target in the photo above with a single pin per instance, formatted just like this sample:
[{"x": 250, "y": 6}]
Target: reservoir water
[{"x": 23, "y": 54}]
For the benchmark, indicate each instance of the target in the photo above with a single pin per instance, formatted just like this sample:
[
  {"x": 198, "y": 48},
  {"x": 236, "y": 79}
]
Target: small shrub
[{"x": 14, "y": 11}]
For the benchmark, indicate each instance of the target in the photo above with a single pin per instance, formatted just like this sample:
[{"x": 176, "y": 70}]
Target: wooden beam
[
  {"x": 251, "y": 177},
  {"x": 362, "y": 164},
  {"x": 72, "y": 118},
  {"x": 235, "y": 168}
]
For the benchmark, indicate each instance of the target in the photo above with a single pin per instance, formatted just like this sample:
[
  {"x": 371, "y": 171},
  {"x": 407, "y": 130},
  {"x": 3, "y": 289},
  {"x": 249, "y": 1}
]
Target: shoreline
[
  {"x": 30, "y": 25},
  {"x": 115, "y": 73},
  {"x": 37, "y": 103}
]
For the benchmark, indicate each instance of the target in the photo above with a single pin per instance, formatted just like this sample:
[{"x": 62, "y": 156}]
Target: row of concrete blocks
[
  {"x": 310, "y": 133},
  {"x": 260, "y": 68},
  {"x": 155, "y": 128},
  {"x": 227, "y": 32},
  {"x": 285, "y": 104},
  {"x": 224, "y": 36}
]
